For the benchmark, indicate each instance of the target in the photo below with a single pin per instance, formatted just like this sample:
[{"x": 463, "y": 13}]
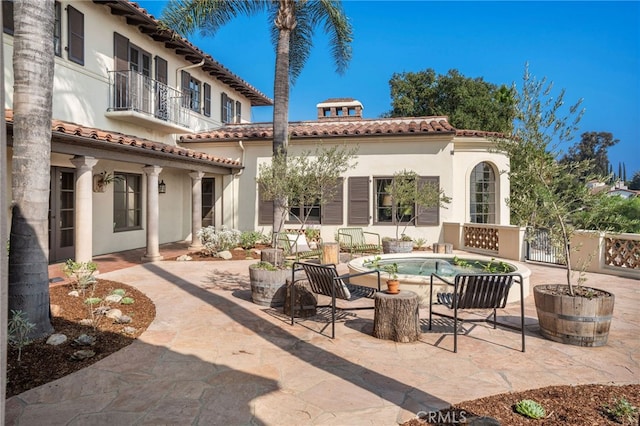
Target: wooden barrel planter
[
  {"x": 397, "y": 246},
  {"x": 573, "y": 320},
  {"x": 268, "y": 288}
]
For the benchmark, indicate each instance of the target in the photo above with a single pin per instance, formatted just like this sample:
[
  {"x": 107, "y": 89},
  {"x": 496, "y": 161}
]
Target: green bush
[
  {"x": 622, "y": 411},
  {"x": 249, "y": 239}
]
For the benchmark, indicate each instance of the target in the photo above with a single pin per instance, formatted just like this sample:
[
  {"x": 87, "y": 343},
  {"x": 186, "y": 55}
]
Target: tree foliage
[
  {"x": 593, "y": 146},
  {"x": 547, "y": 193},
  {"x": 613, "y": 213},
  {"x": 308, "y": 179},
  {"x": 635, "y": 181},
  {"x": 470, "y": 103},
  {"x": 294, "y": 23},
  {"x": 409, "y": 195}
]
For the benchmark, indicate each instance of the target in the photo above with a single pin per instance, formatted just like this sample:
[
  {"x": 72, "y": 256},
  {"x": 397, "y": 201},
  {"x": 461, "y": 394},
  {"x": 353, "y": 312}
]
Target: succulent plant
[{"x": 530, "y": 408}]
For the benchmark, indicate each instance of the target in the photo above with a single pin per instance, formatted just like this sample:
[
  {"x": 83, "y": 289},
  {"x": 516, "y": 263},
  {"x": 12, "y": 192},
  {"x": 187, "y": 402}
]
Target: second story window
[
  {"x": 75, "y": 28},
  {"x": 228, "y": 110},
  {"x": 191, "y": 89}
]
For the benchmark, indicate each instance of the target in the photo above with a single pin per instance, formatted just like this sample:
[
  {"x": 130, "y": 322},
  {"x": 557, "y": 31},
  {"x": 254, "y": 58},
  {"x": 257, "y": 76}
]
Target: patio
[{"x": 213, "y": 357}]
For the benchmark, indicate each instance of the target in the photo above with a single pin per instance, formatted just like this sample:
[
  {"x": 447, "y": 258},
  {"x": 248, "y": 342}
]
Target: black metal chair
[
  {"x": 477, "y": 291},
  {"x": 324, "y": 279}
]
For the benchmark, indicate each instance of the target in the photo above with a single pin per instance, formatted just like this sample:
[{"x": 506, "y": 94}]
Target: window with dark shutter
[
  {"x": 7, "y": 17},
  {"x": 161, "y": 70},
  {"x": 224, "y": 100},
  {"x": 207, "y": 99},
  {"x": 186, "y": 91},
  {"x": 76, "y": 35},
  {"x": 332, "y": 210},
  {"x": 120, "y": 52},
  {"x": 238, "y": 112},
  {"x": 430, "y": 216},
  {"x": 358, "y": 203}
]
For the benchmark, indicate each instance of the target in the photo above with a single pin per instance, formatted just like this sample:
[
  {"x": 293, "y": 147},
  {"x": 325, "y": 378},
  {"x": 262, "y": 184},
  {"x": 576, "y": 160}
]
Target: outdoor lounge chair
[
  {"x": 295, "y": 246},
  {"x": 324, "y": 279},
  {"x": 477, "y": 291},
  {"x": 354, "y": 240}
]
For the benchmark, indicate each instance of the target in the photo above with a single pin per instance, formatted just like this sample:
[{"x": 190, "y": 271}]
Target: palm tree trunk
[
  {"x": 33, "y": 65},
  {"x": 285, "y": 23}
]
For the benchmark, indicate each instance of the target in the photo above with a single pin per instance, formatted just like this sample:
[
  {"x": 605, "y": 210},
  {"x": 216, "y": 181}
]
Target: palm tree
[
  {"x": 33, "y": 60},
  {"x": 294, "y": 22}
]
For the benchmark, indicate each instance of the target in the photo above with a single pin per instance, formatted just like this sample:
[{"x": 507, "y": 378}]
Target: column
[
  {"x": 84, "y": 208},
  {"x": 153, "y": 214},
  {"x": 196, "y": 209}
]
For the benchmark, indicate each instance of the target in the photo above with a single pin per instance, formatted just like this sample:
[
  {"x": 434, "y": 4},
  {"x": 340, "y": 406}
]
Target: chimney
[{"x": 340, "y": 109}]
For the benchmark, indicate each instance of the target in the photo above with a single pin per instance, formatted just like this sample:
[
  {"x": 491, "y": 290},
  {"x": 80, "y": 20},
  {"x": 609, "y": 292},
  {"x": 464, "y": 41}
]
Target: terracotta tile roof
[
  {"x": 62, "y": 128},
  {"x": 149, "y": 25},
  {"x": 313, "y": 129}
]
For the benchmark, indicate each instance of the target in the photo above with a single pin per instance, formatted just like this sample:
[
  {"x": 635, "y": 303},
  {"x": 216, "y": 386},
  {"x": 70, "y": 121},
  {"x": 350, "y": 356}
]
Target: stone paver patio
[{"x": 212, "y": 357}]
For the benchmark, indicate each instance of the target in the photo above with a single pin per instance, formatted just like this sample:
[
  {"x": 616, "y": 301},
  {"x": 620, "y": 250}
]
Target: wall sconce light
[{"x": 162, "y": 187}]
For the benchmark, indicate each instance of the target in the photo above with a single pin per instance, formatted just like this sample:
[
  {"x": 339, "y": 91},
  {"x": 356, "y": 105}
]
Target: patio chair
[
  {"x": 354, "y": 240},
  {"x": 295, "y": 246},
  {"x": 324, "y": 279},
  {"x": 476, "y": 291}
]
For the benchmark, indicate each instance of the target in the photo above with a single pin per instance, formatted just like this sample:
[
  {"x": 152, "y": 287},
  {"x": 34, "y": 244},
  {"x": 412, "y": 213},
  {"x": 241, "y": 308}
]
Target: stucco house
[{"x": 173, "y": 125}]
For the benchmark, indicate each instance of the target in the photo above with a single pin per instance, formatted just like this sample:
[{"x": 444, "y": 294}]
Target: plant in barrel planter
[
  {"x": 268, "y": 283},
  {"x": 408, "y": 197},
  {"x": 546, "y": 193}
]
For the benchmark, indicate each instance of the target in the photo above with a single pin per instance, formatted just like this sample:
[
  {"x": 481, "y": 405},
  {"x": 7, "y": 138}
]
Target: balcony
[{"x": 141, "y": 100}]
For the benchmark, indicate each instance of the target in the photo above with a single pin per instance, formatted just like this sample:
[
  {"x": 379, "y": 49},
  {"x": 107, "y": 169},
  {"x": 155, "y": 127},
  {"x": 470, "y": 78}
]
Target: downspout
[{"x": 187, "y": 67}]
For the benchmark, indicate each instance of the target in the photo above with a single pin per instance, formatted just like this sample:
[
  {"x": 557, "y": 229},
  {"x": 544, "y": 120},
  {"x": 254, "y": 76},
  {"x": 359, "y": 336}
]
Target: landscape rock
[
  {"x": 129, "y": 330},
  {"x": 114, "y": 313},
  {"x": 56, "y": 339},
  {"x": 226, "y": 255},
  {"x": 82, "y": 354},
  {"x": 85, "y": 340},
  {"x": 123, "y": 319},
  {"x": 113, "y": 298},
  {"x": 183, "y": 258},
  {"x": 56, "y": 310},
  {"x": 86, "y": 321},
  {"x": 74, "y": 293}
]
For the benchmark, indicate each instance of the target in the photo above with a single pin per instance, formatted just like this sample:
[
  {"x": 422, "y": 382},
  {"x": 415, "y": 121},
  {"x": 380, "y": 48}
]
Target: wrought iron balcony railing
[{"x": 134, "y": 92}]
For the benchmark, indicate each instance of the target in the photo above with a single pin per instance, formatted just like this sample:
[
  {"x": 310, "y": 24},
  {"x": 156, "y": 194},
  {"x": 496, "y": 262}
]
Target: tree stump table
[
  {"x": 443, "y": 248},
  {"x": 396, "y": 316}
]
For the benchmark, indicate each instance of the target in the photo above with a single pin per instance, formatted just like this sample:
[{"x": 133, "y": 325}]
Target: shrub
[
  {"x": 216, "y": 241},
  {"x": 622, "y": 411},
  {"x": 249, "y": 239},
  {"x": 18, "y": 331}
]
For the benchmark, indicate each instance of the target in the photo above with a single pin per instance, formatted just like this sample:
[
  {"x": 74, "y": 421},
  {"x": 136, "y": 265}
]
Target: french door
[{"x": 62, "y": 214}]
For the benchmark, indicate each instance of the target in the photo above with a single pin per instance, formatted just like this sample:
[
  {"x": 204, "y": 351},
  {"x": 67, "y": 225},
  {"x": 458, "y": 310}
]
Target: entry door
[{"x": 62, "y": 215}]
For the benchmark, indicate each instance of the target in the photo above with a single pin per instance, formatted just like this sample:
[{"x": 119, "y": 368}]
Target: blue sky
[{"x": 591, "y": 49}]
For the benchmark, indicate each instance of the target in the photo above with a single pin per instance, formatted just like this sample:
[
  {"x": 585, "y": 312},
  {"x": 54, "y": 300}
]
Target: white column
[
  {"x": 153, "y": 214},
  {"x": 196, "y": 209},
  {"x": 84, "y": 208}
]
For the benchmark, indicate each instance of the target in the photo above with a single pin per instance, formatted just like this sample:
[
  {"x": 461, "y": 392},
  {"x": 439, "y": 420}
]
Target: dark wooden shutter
[
  {"x": 120, "y": 52},
  {"x": 332, "y": 210},
  {"x": 161, "y": 70},
  {"x": 265, "y": 210},
  {"x": 238, "y": 112},
  {"x": 358, "y": 204},
  {"x": 223, "y": 112},
  {"x": 7, "y": 17},
  {"x": 76, "y": 35},
  {"x": 430, "y": 216},
  {"x": 207, "y": 100},
  {"x": 186, "y": 92}
]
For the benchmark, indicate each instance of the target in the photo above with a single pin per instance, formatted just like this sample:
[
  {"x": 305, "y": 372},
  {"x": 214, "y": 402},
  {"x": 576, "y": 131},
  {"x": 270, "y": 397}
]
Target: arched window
[{"x": 483, "y": 194}]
